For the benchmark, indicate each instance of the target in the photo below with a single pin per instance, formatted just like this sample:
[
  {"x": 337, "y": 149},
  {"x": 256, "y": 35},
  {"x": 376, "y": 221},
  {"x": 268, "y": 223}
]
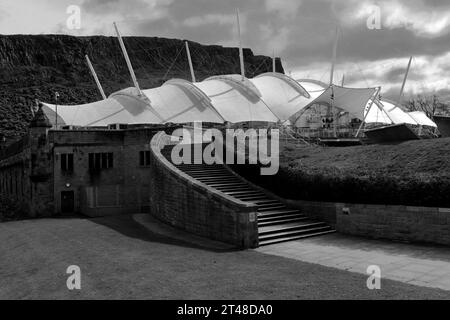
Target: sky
[{"x": 375, "y": 38}]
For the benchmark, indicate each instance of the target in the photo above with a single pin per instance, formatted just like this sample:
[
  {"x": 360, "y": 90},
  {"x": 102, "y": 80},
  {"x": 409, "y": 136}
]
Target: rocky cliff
[{"x": 34, "y": 67}]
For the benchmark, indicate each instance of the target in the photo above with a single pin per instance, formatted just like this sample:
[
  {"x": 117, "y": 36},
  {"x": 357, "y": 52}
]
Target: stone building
[{"x": 93, "y": 171}]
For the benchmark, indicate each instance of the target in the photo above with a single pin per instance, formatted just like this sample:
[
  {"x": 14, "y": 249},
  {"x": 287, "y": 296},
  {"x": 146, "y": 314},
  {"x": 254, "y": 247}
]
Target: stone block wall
[
  {"x": 402, "y": 223},
  {"x": 185, "y": 203},
  {"x": 399, "y": 223}
]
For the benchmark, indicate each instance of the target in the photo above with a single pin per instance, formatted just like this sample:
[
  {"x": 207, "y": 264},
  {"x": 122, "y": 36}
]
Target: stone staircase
[{"x": 276, "y": 222}]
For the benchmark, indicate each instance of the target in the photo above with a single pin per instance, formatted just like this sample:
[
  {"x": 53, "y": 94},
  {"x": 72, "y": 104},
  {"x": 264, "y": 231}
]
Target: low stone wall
[
  {"x": 400, "y": 223},
  {"x": 185, "y": 203}
]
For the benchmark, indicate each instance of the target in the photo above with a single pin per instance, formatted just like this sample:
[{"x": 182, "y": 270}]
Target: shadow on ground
[{"x": 146, "y": 228}]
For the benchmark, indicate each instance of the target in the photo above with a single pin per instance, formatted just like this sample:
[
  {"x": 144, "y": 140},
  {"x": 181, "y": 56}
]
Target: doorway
[{"x": 67, "y": 202}]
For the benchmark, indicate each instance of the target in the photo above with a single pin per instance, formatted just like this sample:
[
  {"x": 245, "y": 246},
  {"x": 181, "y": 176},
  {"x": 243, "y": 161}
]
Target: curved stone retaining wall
[{"x": 185, "y": 203}]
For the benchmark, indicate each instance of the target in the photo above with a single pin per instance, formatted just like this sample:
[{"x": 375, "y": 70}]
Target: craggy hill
[{"x": 34, "y": 67}]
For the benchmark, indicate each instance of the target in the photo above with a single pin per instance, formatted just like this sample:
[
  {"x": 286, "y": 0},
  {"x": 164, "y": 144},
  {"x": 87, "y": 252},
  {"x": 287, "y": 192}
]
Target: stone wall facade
[
  {"x": 31, "y": 171},
  {"x": 185, "y": 203},
  {"x": 399, "y": 223}
]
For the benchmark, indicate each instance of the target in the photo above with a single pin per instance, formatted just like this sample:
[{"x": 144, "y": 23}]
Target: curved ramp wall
[{"x": 185, "y": 203}]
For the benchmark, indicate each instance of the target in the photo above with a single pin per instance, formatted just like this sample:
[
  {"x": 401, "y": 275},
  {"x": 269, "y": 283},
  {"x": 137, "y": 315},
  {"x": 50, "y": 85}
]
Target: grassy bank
[
  {"x": 409, "y": 173},
  {"x": 120, "y": 259}
]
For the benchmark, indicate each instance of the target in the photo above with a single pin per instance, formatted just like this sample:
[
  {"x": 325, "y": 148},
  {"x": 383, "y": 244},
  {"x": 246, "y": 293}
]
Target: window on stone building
[
  {"x": 67, "y": 162},
  {"x": 98, "y": 161},
  {"x": 144, "y": 158}
]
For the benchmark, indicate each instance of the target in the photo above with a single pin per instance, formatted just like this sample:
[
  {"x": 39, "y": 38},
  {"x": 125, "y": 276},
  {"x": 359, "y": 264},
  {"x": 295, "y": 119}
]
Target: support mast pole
[
  {"x": 333, "y": 63},
  {"x": 404, "y": 81},
  {"x": 99, "y": 86},
  {"x": 274, "y": 65},
  {"x": 241, "y": 52},
  {"x": 191, "y": 67},
  {"x": 127, "y": 59}
]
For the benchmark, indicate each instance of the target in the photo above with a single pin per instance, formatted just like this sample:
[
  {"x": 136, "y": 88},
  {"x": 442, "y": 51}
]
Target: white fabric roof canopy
[
  {"x": 215, "y": 100},
  {"x": 396, "y": 114},
  {"x": 374, "y": 113},
  {"x": 236, "y": 102},
  {"x": 351, "y": 100},
  {"x": 100, "y": 113},
  {"x": 421, "y": 118},
  {"x": 283, "y": 97}
]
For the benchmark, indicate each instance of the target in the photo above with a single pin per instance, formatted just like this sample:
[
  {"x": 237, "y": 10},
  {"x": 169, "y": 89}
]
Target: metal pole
[
  {"x": 190, "y": 62},
  {"x": 99, "y": 86},
  {"x": 333, "y": 61},
  {"x": 127, "y": 59},
  {"x": 274, "y": 66},
  {"x": 332, "y": 113},
  {"x": 56, "y": 110},
  {"x": 404, "y": 81},
  {"x": 241, "y": 52}
]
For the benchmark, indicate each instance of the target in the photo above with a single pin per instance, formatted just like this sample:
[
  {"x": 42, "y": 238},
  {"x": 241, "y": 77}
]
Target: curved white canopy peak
[
  {"x": 136, "y": 103},
  {"x": 294, "y": 84},
  {"x": 236, "y": 104},
  {"x": 189, "y": 85},
  {"x": 236, "y": 81},
  {"x": 282, "y": 98},
  {"x": 196, "y": 91}
]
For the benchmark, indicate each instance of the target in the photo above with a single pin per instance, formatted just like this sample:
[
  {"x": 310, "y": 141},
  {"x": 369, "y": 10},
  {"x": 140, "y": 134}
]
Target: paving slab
[{"x": 423, "y": 265}]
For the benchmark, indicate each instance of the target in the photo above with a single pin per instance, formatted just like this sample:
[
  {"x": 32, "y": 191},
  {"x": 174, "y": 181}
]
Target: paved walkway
[{"x": 414, "y": 264}]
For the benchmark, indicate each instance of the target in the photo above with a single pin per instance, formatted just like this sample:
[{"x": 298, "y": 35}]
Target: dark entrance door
[{"x": 67, "y": 202}]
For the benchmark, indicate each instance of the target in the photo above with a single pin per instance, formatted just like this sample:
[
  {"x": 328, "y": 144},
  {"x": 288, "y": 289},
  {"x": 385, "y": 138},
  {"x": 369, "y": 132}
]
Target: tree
[{"x": 431, "y": 105}]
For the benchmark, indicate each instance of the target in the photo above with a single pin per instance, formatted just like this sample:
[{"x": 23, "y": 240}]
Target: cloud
[
  {"x": 220, "y": 19},
  {"x": 424, "y": 18},
  {"x": 301, "y": 32},
  {"x": 287, "y": 9}
]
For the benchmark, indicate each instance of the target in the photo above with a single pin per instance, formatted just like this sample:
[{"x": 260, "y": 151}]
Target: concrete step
[
  {"x": 218, "y": 179},
  {"x": 292, "y": 238},
  {"x": 228, "y": 184},
  {"x": 208, "y": 174},
  {"x": 294, "y": 233},
  {"x": 283, "y": 228},
  {"x": 252, "y": 198},
  {"x": 275, "y": 213},
  {"x": 265, "y": 208},
  {"x": 243, "y": 193},
  {"x": 282, "y": 220}
]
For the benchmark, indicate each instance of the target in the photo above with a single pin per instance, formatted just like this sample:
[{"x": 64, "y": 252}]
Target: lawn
[
  {"x": 409, "y": 173},
  {"x": 120, "y": 259}
]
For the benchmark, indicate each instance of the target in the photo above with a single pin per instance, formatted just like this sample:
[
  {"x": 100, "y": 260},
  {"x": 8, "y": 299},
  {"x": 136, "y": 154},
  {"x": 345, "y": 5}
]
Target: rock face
[{"x": 34, "y": 67}]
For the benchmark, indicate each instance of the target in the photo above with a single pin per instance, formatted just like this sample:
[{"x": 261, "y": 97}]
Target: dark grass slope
[{"x": 409, "y": 173}]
